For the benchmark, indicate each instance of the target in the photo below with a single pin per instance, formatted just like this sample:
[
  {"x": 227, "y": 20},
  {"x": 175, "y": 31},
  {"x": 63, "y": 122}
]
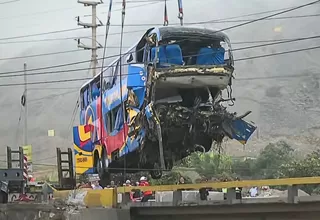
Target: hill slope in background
[{"x": 282, "y": 107}]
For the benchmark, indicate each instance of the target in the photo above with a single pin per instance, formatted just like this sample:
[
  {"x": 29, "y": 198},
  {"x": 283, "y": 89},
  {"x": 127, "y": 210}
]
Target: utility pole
[
  {"x": 24, "y": 103},
  {"x": 93, "y": 25}
]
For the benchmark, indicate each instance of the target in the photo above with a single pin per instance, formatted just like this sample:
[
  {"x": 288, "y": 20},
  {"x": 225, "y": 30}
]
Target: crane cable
[
  {"x": 165, "y": 18},
  {"x": 180, "y": 15},
  {"x": 121, "y": 99},
  {"x": 101, "y": 81}
]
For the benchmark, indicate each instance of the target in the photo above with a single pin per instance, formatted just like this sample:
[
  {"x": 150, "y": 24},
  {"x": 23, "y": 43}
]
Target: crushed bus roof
[
  {"x": 168, "y": 32},
  {"x": 172, "y": 32}
]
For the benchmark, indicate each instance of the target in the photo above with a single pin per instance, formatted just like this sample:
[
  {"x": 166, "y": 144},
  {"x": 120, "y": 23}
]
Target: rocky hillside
[{"x": 286, "y": 106}]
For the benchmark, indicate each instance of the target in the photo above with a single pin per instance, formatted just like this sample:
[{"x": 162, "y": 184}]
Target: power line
[
  {"x": 275, "y": 54},
  {"x": 61, "y": 65},
  {"x": 79, "y": 79},
  {"x": 53, "y": 88},
  {"x": 36, "y": 13},
  {"x": 67, "y": 38},
  {"x": 7, "y": 2},
  {"x": 40, "y": 55},
  {"x": 140, "y": 25},
  {"x": 277, "y": 42},
  {"x": 228, "y": 28},
  {"x": 218, "y": 21},
  {"x": 236, "y": 49},
  {"x": 269, "y": 16},
  {"x": 62, "y": 9},
  {"x": 53, "y": 95},
  {"x": 79, "y": 69},
  {"x": 39, "y": 34}
]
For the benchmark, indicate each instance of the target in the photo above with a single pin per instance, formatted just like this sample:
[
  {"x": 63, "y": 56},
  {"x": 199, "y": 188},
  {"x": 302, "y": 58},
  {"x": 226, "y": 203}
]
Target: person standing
[
  {"x": 146, "y": 194},
  {"x": 225, "y": 190},
  {"x": 253, "y": 191},
  {"x": 238, "y": 190},
  {"x": 181, "y": 180}
]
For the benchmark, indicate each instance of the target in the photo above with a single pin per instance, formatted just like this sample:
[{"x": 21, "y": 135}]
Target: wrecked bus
[{"x": 169, "y": 105}]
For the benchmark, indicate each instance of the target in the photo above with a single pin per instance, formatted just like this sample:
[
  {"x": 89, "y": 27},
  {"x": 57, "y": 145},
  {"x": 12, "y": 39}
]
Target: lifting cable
[
  {"x": 102, "y": 71},
  {"x": 121, "y": 99},
  {"x": 165, "y": 18},
  {"x": 180, "y": 15}
]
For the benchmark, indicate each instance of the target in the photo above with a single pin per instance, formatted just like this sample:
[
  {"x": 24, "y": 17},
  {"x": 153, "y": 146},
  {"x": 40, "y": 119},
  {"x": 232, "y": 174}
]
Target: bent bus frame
[{"x": 171, "y": 85}]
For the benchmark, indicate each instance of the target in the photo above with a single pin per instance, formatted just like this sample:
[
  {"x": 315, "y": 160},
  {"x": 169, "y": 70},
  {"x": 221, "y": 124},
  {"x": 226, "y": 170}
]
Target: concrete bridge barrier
[{"x": 30, "y": 212}]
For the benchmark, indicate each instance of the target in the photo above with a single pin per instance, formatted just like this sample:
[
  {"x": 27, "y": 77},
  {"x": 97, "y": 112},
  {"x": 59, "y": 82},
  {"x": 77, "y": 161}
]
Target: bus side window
[
  {"x": 124, "y": 67},
  {"x": 115, "y": 73},
  {"x": 114, "y": 119},
  {"x": 107, "y": 81},
  {"x": 85, "y": 99}
]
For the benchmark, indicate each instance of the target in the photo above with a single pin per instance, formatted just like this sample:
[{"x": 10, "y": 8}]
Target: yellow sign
[
  {"x": 27, "y": 151},
  {"x": 50, "y": 133}
]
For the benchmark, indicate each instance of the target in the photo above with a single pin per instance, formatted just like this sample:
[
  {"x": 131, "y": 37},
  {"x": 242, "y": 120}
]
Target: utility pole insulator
[
  {"x": 93, "y": 25},
  {"x": 89, "y": 3}
]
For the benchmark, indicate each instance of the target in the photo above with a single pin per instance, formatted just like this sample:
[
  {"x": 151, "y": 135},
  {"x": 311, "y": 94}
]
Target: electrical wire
[
  {"x": 148, "y": 25},
  {"x": 245, "y": 23},
  {"x": 270, "y": 16},
  {"x": 123, "y": 14},
  {"x": 56, "y": 66},
  {"x": 63, "y": 9},
  {"x": 52, "y": 96},
  {"x": 53, "y": 88},
  {"x": 79, "y": 79},
  {"x": 240, "y": 42},
  {"x": 62, "y": 65},
  {"x": 7, "y": 2},
  {"x": 41, "y": 54},
  {"x": 276, "y": 54},
  {"x": 102, "y": 86},
  {"x": 228, "y": 28},
  {"x": 236, "y": 49},
  {"x": 44, "y": 33}
]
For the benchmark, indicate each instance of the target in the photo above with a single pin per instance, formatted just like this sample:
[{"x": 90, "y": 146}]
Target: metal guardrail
[
  {"x": 292, "y": 184},
  {"x": 231, "y": 184},
  {"x": 120, "y": 196}
]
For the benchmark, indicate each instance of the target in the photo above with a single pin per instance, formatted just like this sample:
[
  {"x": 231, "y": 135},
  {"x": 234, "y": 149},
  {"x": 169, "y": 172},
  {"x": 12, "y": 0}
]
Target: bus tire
[{"x": 104, "y": 159}]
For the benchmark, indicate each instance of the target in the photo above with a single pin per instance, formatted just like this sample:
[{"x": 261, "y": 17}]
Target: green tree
[
  {"x": 210, "y": 165},
  {"x": 307, "y": 167},
  {"x": 170, "y": 178},
  {"x": 271, "y": 158},
  {"x": 244, "y": 168}
]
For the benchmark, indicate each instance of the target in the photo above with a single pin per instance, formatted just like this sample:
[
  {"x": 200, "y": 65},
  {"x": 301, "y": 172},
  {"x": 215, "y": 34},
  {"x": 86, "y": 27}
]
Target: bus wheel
[
  {"x": 156, "y": 173},
  {"x": 98, "y": 166},
  {"x": 104, "y": 159},
  {"x": 104, "y": 175}
]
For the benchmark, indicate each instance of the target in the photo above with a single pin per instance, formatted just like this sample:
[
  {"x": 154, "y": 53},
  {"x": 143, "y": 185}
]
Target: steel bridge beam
[{"x": 12, "y": 174}]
